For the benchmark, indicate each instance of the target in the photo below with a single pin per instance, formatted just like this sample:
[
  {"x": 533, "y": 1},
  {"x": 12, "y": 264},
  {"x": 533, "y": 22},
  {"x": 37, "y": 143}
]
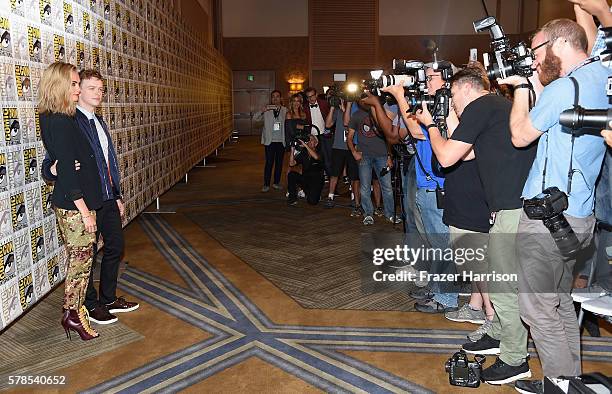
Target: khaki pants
[
  {"x": 545, "y": 283},
  {"x": 507, "y": 325},
  {"x": 79, "y": 247}
]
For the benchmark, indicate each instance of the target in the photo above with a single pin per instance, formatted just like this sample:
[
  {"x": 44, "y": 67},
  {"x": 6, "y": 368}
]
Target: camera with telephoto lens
[
  {"x": 374, "y": 85},
  {"x": 504, "y": 60},
  {"x": 463, "y": 372},
  {"x": 582, "y": 121},
  {"x": 549, "y": 207}
]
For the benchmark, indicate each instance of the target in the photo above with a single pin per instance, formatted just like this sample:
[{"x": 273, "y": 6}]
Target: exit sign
[{"x": 250, "y": 77}]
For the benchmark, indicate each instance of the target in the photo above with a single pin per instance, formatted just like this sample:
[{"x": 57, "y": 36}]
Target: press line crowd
[{"x": 499, "y": 153}]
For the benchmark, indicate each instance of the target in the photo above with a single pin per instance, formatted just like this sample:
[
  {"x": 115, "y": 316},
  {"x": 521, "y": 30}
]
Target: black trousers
[
  {"x": 275, "y": 152},
  {"x": 108, "y": 220},
  {"x": 311, "y": 182}
]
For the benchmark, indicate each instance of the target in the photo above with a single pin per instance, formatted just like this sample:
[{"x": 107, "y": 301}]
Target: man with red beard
[{"x": 569, "y": 163}]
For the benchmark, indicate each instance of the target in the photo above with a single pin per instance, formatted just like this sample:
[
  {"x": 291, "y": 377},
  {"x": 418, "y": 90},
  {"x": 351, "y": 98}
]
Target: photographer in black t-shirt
[
  {"x": 484, "y": 126},
  {"x": 306, "y": 171}
]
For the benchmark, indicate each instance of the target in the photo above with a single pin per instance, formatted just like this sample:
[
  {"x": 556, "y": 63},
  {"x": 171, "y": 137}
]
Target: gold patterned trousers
[{"x": 79, "y": 247}]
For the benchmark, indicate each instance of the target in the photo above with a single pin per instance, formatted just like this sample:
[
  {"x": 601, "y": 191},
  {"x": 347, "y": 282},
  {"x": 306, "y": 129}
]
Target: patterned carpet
[
  {"x": 240, "y": 293},
  {"x": 240, "y": 331},
  {"x": 37, "y": 345}
]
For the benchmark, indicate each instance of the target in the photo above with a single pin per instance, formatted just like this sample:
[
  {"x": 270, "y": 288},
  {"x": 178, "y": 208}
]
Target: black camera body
[
  {"x": 463, "y": 372},
  {"x": 336, "y": 93},
  {"x": 549, "y": 207},
  {"x": 304, "y": 135},
  {"x": 439, "y": 103},
  {"x": 504, "y": 60}
]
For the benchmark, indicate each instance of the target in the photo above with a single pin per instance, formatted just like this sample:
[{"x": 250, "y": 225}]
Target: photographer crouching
[
  {"x": 306, "y": 169},
  {"x": 558, "y": 193}
]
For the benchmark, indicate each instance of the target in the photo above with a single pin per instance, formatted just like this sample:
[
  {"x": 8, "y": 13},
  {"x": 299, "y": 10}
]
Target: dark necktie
[
  {"x": 95, "y": 129},
  {"x": 314, "y": 105}
]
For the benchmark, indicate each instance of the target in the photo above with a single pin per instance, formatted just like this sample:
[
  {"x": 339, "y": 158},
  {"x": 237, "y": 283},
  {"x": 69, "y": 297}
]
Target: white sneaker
[
  {"x": 599, "y": 306},
  {"x": 588, "y": 293},
  {"x": 301, "y": 194}
]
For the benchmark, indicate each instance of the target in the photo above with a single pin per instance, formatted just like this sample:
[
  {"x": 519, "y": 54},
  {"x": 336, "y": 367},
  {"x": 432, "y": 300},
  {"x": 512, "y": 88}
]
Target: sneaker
[
  {"x": 265, "y": 189},
  {"x": 599, "y": 306},
  {"x": 379, "y": 212},
  {"x": 329, "y": 203},
  {"x": 292, "y": 202},
  {"x": 357, "y": 211},
  {"x": 588, "y": 293},
  {"x": 277, "y": 186},
  {"x": 121, "y": 305},
  {"x": 346, "y": 181},
  {"x": 424, "y": 293},
  {"x": 431, "y": 306},
  {"x": 480, "y": 331},
  {"x": 529, "y": 386},
  {"x": 368, "y": 220},
  {"x": 301, "y": 194},
  {"x": 485, "y": 345},
  {"x": 466, "y": 315},
  {"x": 502, "y": 373},
  {"x": 101, "y": 315},
  {"x": 397, "y": 219}
]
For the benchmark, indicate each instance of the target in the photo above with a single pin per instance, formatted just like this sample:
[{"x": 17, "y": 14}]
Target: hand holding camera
[{"x": 423, "y": 115}]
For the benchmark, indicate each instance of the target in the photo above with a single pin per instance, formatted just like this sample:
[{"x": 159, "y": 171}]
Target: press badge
[{"x": 276, "y": 126}]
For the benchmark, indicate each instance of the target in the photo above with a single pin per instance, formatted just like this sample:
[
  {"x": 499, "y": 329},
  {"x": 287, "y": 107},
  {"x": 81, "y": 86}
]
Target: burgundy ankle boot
[{"x": 79, "y": 322}]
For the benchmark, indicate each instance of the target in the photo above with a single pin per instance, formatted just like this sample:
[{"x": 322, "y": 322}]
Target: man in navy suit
[{"x": 108, "y": 218}]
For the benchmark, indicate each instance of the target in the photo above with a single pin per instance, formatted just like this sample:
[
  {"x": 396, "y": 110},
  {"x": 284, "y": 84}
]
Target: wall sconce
[{"x": 295, "y": 86}]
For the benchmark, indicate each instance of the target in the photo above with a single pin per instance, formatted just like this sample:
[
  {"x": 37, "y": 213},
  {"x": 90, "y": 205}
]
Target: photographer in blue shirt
[{"x": 569, "y": 163}]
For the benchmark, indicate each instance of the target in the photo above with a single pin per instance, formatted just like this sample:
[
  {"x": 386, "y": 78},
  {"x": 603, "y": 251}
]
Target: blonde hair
[{"x": 54, "y": 93}]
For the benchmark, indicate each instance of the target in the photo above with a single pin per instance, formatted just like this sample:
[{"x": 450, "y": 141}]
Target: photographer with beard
[
  {"x": 310, "y": 179},
  {"x": 484, "y": 127},
  {"x": 569, "y": 163}
]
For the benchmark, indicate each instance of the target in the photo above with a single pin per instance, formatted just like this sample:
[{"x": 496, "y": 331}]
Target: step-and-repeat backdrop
[{"x": 168, "y": 105}]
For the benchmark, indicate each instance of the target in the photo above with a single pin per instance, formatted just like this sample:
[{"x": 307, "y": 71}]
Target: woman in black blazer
[{"x": 77, "y": 194}]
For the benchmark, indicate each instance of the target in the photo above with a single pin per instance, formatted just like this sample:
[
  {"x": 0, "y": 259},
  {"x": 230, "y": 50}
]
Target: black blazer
[{"x": 65, "y": 143}]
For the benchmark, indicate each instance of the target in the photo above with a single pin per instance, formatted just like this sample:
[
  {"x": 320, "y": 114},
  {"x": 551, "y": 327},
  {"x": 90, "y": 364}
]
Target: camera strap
[
  {"x": 409, "y": 140},
  {"x": 570, "y": 172}
]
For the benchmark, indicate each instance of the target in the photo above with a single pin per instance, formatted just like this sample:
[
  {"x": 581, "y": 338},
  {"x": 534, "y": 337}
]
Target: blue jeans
[
  {"x": 436, "y": 233},
  {"x": 366, "y": 164},
  {"x": 409, "y": 201}
]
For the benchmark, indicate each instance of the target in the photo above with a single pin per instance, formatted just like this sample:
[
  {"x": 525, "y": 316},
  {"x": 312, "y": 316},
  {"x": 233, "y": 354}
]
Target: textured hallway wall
[{"x": 168, "y": 105}]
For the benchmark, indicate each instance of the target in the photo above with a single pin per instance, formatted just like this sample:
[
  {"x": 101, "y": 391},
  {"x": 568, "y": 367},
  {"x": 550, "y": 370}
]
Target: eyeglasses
[{"x": 430, "y": 77}]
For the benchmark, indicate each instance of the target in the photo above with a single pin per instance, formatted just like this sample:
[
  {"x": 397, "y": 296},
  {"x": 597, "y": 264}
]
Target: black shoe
[
  {"x": 329, "y": 203},
  {"x": 502, "y": 373},
  {"x": 529, "y": 386},
  {"x": 101, "y": 315},
  {"x": 485, "y": 345},
  {"x": 431, "y": 306},
  {"x": 292, "y": 202},
  {"x": 422, "y": 294}
]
